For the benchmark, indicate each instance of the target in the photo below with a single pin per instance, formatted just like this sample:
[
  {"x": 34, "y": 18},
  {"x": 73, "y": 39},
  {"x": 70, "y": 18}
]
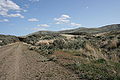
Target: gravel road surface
[{"x": 17, "y": 62}]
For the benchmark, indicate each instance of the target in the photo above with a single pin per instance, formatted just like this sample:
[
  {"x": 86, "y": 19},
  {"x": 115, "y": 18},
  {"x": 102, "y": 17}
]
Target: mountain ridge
[
  {"x": 78, "y": 31},
  {"x": 94, "y": 30}
]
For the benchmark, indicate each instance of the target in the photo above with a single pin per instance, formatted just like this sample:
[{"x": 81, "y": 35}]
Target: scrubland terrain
[{"x": 78, "y": 54}]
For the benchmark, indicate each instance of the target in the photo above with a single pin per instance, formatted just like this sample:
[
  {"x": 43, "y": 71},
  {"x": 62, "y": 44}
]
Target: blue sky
[{"x": 21, "y": 17}]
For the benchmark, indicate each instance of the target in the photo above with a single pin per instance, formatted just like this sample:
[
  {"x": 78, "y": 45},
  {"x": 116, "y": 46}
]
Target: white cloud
[
  {"x": 8, "y": 5},
  {"x": 4, "y": 20},
  {"x": 62, "y": 19},
  {"x": 75, "y": 24},
  {"x": 43, "y": 25},
  {"x": 66, "y": 28},
  {"x": 15, "y": 15},
  {"x": 33, "y": 20},
  {"x": 65, "y": 16},
  {"x": 39, "y": 29}
]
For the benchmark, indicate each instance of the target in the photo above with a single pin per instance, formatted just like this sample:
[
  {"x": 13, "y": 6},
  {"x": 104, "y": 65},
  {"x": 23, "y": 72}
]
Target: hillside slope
[
  {"x": 88, "y": 53},
  {"x": 114, "y": 27},
  {"x": 91, "y": 53},
  {"x": 7, "y": 39}
]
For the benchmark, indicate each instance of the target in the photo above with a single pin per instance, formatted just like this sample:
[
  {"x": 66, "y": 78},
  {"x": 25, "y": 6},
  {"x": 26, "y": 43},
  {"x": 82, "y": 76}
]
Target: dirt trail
[{"x": 17, "y": 62}]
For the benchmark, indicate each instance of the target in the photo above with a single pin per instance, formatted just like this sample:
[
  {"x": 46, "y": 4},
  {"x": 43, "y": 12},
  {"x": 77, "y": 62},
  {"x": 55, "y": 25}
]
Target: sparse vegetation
[
  {"x": 7, "y": 39},
  {"x": 92, "y": 54}
]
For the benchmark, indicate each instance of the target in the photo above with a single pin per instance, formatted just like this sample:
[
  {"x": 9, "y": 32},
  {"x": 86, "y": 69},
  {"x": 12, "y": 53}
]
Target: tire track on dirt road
[{"x": 17, "y": 62}]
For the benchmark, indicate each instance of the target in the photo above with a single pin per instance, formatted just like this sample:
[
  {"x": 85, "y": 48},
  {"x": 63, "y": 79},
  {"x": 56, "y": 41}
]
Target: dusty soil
[{"x": 17, "y": 62}]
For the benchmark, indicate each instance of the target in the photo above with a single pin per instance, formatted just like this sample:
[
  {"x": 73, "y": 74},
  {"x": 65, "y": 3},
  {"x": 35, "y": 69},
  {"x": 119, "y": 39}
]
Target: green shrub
[
  {"x": 101, "y": 61},
  {"x": 91, "y": 71}
]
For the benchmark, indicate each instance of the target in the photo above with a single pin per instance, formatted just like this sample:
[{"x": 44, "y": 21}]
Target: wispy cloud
[
  {"x": 66, "y": 19},
  {"x": 33, "y": 20},
  {"x": 43, "y": 25},
  {"x": 66, "y": 28},
  {"x": 8, "y": 5},
  {"x": 75, "y": 24},
  {"x": 62, "y": 19},
  {"x": 39, "y": 29},
  {"x": 4, "y": 20},
  {"x": 15, "y": 15}
]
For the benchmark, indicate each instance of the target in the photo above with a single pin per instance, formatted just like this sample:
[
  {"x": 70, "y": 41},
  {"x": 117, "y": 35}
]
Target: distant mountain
[
  {"x": 42, "y": 35},
  {"x": 107, "y": 28},
  {"x": 110, "y": 27}
]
